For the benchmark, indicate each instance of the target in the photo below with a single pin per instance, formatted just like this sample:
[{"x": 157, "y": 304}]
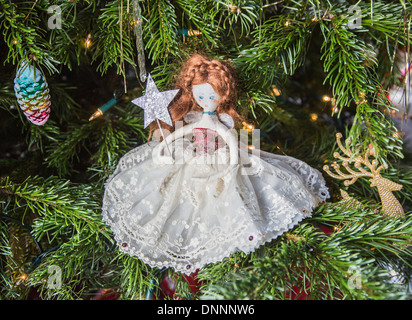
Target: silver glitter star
[{"x": 155, "y": 103}]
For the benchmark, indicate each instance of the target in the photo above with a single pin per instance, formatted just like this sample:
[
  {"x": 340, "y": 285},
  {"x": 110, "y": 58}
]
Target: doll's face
[{"x": 205, "y": 96}]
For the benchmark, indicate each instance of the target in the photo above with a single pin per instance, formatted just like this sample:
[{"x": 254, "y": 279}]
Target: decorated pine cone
[{"x": 32, "y": 94}]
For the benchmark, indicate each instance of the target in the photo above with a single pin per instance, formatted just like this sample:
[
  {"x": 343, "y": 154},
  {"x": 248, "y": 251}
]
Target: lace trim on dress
[
  {"x": 282, "y": 219},
  {"x": 314, "y": 180},
  {"x": 157, "y": 213}
]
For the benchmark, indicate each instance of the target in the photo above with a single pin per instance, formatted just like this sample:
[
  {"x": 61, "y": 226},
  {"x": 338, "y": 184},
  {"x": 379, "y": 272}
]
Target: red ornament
[
  {"x": 301, "y": 290},
  {"x": 168, "y": 285},
  {"x": 106, "y": 294}
]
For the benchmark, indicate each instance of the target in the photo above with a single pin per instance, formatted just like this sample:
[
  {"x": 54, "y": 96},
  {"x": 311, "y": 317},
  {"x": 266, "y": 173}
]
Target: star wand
[{"x": 155, "y": 105}]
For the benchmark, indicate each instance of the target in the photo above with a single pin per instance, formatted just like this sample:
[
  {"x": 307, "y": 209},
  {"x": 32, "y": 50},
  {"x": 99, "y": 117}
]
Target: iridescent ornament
[
  {"x": 32, "y": 94},
  {"x": 138, "y": 30}
]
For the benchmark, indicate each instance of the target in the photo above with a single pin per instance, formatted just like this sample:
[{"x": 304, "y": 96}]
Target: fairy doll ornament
[{"x": 198, "y": 196}]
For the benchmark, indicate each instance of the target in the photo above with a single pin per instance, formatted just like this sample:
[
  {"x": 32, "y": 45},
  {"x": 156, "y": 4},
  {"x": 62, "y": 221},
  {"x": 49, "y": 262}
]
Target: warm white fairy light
[
  {"x": 135, "y": 22},
  {"x": 88, "y": 41},
  {"x": 20, "y": 279},
  {"x": 326, "y": 98},
  {"x": 276, "y": 91},
  {"x": 396, "y": 135},
  {"x": 248, "y": 126},
  {"x": 313, "y": 117},
  {"x": 362, "y": 96}
]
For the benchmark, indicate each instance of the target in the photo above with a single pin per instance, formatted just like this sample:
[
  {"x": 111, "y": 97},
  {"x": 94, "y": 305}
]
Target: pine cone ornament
[{"x": 32, "y": 94}]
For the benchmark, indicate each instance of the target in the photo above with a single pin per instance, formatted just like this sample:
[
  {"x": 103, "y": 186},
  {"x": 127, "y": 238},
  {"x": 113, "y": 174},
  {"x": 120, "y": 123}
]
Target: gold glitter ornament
[{"x": 390, "y": 205}]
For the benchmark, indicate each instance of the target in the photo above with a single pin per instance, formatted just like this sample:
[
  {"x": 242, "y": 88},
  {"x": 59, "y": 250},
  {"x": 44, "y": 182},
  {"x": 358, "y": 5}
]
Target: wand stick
[{"x": 164, "y": 138}]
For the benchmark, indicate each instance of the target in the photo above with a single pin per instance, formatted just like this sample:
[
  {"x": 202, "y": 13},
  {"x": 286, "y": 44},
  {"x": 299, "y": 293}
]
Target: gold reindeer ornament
[{"x": 390, "y": 205}]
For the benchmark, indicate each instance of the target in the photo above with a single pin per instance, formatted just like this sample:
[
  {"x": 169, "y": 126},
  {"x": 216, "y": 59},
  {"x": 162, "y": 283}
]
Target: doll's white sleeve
[{"x": 227, "y": 120}]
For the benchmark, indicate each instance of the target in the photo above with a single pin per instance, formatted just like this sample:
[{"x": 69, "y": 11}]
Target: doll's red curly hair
[{"x": 200, "y": 69}]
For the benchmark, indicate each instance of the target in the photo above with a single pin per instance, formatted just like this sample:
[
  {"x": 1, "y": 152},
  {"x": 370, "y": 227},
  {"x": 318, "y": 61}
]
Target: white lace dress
[{"x": 200, "y": 210}]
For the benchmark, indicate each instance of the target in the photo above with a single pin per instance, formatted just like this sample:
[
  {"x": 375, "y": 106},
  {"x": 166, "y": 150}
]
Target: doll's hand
[
  {"x": 158, "y": 158},
  {"x": 163, "y": 160}
]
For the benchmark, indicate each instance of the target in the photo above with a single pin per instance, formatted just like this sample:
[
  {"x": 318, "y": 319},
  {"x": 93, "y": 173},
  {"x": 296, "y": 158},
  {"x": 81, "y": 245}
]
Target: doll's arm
[
  {"x": 157, "y": 151},
  {"x": 257, "y": 152},
  {"x": 230, "y": 137}
]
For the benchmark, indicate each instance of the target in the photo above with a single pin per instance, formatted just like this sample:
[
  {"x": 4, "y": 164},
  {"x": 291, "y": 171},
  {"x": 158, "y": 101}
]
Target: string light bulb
[
  {"x": 326, "y": 98},
  {"x": 21, "y": 279},
  {"x": 135, "y": 22},
  {"x": 248, "y": 126},
  {"x": 362, "y": 96},
  {"x": 88, "y": 41},
  {"x": 396, "y": 135},
  {"x": 276, "y": 91},
  {"x": 313, "y": 117},
  {"x": 371, "y": 150},
  {"x": 194, "y": 33},
  {"x": 100, "y": 111}
]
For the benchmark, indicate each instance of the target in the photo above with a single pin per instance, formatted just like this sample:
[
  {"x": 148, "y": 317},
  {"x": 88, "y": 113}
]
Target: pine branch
[
  {"x": 103, "y": 143},
  {"x": 25, "y": 34},
  {"x": 344, "y": 58},
  {"x": 268, "y": 42},
  {"x": 160, "y": 30},
  {"x": 108, "y": 49},
  {"x": 308, "y": 261},
  {"x": 281, "y": 40},
  {"x": 78, "y": 20},
  {"x": 135, "y": 278}
]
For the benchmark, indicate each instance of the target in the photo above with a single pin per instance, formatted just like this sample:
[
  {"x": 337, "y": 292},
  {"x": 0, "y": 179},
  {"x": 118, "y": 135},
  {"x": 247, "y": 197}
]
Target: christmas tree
[{"x": 324, "y": 81}]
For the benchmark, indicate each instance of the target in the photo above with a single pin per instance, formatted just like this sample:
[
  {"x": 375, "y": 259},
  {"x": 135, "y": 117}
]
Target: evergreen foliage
[{"x": 288, "y": 54}]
